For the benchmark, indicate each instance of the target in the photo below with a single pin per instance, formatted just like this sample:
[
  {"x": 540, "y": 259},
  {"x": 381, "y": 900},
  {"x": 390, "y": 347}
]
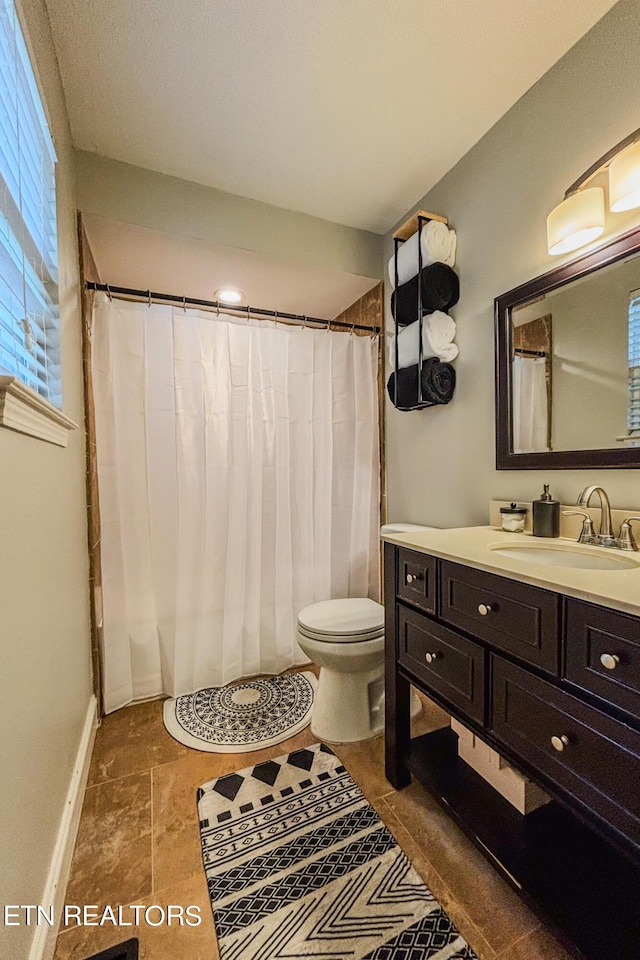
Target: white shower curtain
[
  {"x": 530, "y": 423},
  {"x": 238, "y": 473}
]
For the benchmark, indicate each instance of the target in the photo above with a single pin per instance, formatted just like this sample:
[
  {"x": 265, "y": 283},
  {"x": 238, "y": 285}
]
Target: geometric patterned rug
[
  {"x": 242, "y": 716},
  {"x": 299, "y": 864}
]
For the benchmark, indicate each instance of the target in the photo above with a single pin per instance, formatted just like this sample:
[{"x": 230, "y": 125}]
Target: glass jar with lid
[{"x": 513, "y": 518}]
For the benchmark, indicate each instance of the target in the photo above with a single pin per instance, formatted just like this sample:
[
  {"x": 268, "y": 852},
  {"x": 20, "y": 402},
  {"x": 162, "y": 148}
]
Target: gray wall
[
  {"x": 45, "y": 683},
  {"x": 120, "y": 191},
  {"x": 441, "y": 461}
]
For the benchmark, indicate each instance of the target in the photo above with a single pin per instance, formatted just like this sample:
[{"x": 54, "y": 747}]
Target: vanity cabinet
[
  {"x": 444, "y": 660},
  {"x": 518, "y": 618},
  {"x": 551, "y": 683},
  {"x": 415, "y": 579},
  {"x": 595, "y": 758},
  {"x": 603, "y": 655}
]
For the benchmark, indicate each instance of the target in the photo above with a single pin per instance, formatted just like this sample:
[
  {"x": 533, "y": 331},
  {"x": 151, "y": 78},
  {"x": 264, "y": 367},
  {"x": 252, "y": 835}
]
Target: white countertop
[{"x": 618, "y": 589}]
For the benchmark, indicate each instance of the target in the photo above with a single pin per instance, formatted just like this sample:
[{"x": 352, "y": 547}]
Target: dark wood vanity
[{"x": 553, "y": 684}]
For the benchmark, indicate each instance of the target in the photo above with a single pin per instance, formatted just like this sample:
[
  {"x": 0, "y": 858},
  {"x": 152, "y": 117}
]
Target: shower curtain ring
[
  {"x": 353, "y": 326},
  {"x": 184, "y": 304},
  {"x": 304, "y": 321},
  {"x": 149, "y": 296},
  {"x": 109, "y": 294},
  {"x": 275, "y": 317}
]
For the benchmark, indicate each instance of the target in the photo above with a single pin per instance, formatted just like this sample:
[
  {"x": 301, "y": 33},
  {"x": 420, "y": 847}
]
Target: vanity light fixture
[
  {"x": 578, "y": 220},
  {"x": 580, "y": 217},
  {"x": 624, "y": 179},
  {"x": 229, "y": 295}
]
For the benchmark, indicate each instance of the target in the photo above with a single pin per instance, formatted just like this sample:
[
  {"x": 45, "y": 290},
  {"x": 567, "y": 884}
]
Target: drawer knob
[
  {"x": 430, "y": 657},
  {"x": 484, "y": 609},
  {"x": 559, "y": 743},
  {"x": 412, "y": 578},
  {"x": 609, "y": 660}
]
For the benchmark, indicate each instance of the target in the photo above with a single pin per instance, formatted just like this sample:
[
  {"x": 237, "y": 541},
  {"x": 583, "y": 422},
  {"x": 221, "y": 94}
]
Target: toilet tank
[{"x": 403, "y": 528}]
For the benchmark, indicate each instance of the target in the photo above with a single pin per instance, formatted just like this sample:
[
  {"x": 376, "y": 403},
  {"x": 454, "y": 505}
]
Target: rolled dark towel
[
  {"x": 438, "y": 380},
  {"x": 440, "y": 290},
  {"x": 438, "y": 384}
]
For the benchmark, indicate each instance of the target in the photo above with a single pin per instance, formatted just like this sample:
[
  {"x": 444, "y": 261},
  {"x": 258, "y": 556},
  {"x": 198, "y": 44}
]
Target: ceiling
[
  {"x": 348, "y": 110},
  {"x": 131, "y": 256}
]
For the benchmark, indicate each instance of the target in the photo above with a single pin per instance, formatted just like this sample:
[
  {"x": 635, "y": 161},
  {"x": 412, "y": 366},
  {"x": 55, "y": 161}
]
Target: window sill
[{"x": 23, "y": 410}]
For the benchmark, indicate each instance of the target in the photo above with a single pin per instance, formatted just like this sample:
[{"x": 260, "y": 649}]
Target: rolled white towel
[
  {"x": 438, "y": 245},
  {"x": 446, "y": 354},
  {"x": 438, "y": 331}
]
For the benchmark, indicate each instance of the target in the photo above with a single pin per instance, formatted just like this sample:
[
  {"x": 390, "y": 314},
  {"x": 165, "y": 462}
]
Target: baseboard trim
[{"x": 44, "y": 942}]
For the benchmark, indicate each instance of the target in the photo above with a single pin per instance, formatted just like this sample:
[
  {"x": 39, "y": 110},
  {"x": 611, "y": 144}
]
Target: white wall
[
  {"x": 45, "y": 682},
  {"x": 120, "y": 191},
  {"x": 441, "y": 461}
]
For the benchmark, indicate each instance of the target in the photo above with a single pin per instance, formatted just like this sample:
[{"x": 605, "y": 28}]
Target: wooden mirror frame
[{"x": 506, "y": 459}]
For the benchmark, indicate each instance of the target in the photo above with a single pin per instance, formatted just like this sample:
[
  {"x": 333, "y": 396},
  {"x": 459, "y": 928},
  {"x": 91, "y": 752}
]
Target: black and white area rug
[
  {"x": 299, "y": 864},
  {"x": 242, "y": 716}
]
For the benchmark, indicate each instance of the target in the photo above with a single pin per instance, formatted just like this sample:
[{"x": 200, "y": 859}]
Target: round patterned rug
[{"x": 242, "y": 716}]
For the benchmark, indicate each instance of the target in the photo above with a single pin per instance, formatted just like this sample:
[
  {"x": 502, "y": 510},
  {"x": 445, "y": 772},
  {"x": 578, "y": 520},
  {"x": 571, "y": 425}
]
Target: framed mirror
[{"x": 568, "y": 364}]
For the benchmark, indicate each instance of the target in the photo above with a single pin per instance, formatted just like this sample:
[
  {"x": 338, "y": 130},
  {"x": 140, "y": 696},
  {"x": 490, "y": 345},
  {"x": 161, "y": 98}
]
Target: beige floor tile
[
  {"x": 432, "y": 717},
  {"x": 365, "y": 763},
  {"x": 497, "y": 912},
  {"x": 435, "y": 882},
  {"x": 537, "y": 945},
  {"x": 365, "y": 759},
  {"x": 132, "y": 740},
  {"x": 176, "y": 837},
  {"x": 174, "y": 942},
  {"x": 112, "y": 858},
  {"x": 139, "y": 841}
]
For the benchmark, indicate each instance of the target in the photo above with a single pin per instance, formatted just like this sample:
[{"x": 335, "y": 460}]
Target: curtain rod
[
  {"x": 226, "y": 307},
  {"x": 530, "y": 353}
]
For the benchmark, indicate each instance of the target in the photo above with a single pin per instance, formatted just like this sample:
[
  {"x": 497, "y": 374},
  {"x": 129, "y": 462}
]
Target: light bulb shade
[
  {"x": 229, "y": 295},
  {"x": 576, "y": 221},
  {"x": 624, "y": 179}
]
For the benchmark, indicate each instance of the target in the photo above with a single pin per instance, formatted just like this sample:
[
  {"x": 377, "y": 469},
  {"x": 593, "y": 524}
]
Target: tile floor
[{"x": 138, "y": 842}]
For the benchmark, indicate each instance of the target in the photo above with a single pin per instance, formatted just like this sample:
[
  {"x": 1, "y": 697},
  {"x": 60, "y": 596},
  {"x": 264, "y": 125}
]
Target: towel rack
[
  {"x": 410, "y": 226},
  {"x": 414, "y": 224}
]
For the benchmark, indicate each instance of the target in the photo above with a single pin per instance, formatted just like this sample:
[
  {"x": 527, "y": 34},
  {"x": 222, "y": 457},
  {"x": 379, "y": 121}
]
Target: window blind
[
  {"x": 633, "y": 410},
  {"x": 29, "y": 317}
]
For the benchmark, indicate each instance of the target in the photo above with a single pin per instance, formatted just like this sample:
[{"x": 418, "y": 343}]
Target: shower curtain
[
  {"x": 530, "y": 423},
  {"x": 238, "y": 472}
]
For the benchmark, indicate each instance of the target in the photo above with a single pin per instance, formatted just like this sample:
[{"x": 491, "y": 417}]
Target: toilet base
[{"x": 349, "y": 708}]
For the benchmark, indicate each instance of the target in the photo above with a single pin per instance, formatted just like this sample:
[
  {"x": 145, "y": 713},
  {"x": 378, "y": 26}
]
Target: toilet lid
[{"x": 348, "y": 620}]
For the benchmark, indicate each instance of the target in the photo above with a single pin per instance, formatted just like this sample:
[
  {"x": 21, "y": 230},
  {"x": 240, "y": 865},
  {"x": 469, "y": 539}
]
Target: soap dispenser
[{"x": 546, "y": 515}]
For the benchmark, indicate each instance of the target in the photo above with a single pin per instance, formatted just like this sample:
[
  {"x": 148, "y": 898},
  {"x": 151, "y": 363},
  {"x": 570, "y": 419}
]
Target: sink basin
[{"x": 579, "y": 557}]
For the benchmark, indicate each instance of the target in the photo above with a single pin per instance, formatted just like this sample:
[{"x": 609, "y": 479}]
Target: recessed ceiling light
[{"x": 229, "y": 295}]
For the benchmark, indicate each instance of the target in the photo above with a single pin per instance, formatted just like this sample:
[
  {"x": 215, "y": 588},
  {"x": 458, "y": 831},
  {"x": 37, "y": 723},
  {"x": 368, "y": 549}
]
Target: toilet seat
[{"x": 351, "y": 620}]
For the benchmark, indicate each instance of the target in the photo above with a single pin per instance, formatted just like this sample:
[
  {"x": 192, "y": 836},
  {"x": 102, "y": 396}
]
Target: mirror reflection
[{"x": 575, "y": 364}]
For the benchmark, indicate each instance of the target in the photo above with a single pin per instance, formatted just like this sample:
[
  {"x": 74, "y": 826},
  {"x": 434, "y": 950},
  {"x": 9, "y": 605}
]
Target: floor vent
[{"x": 124, "y": 951}]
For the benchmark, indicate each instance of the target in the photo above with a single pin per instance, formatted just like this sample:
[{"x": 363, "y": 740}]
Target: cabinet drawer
[
  {"x": 603, "y": 654},
  {"x": 416, "y": 579},
  {"x": 512, "y": 616},
  {"x": 450, "y": 665},
  {"x": 595, "y": 759}
]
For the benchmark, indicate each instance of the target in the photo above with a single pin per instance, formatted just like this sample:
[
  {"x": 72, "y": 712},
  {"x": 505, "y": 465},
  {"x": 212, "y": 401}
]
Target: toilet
[{"x": 345, "y": 638}]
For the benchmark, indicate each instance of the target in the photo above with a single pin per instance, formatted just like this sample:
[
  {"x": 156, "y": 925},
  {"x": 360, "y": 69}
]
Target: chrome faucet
[{"x": 605, "y": 535}]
